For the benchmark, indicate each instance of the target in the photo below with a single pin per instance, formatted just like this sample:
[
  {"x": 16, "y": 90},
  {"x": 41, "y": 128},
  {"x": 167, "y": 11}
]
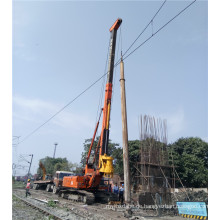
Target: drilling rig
[{"x": 85, "y": 188}]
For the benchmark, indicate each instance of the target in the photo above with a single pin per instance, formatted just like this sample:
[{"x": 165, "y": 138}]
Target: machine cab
[{"x": 58, "y": 179}]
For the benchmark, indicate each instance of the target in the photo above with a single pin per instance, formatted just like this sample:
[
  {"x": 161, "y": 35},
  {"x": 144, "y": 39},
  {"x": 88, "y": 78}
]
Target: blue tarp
[{"x": 192, "y": 208}]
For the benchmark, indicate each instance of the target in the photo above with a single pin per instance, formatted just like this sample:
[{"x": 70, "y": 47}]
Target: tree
[
  {"x": 118, "y": 161},
  {"x": 117, "y": 153},
  {"x": 190, "y": 156},
  {"x": 133, "y": 155},
  {"x": 111, "y": 148},
  {"x": 55, "y": 164}
]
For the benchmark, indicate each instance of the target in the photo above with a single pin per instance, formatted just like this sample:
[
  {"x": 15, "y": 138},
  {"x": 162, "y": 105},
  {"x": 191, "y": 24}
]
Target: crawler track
[
  {"x": 76, "y": 195},
  {"x": 41, "y": 209}
]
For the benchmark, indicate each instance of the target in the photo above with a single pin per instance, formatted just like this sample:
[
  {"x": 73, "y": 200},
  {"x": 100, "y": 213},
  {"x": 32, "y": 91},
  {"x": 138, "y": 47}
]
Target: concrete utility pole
[
  {"x": 55, "y": 149},
  {"x": 127, "y": 186},
  {"x": 13, "y": 168},
  {"x": 30, "y": 165}
]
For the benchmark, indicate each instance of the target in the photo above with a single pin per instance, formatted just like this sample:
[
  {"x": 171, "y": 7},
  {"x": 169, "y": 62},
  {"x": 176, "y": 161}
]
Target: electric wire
[
  {"x": 153, "y": 34},
  {"x": 23, "y": 159},
  {"x": 85, "y": 90},
  {"x": 115, "y": 69},
  {"x": 117, "y": 63},
  {"x": 99, "y": 109},
  {"x": 103, "y": 83},
  {"x": 145, "y": 27}
]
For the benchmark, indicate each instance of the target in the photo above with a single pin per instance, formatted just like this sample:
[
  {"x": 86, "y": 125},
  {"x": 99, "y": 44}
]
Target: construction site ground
[{"x": 67, "y": 209}]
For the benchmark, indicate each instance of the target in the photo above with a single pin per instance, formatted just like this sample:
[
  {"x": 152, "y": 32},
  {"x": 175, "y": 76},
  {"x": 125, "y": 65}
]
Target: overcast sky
[{"x": 60, "y": 48}]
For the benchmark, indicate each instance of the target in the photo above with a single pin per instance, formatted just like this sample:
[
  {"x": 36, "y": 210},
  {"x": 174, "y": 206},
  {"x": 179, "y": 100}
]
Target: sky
[{"x": 59, "y": 48}]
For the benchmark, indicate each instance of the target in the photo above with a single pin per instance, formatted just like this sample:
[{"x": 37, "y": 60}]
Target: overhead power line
[
  {"x": 63, "y": 108},
  {"x": 153, "y": 34},
  {"x": 117, "y": 63},
  {"x": 146, "y": 27}
]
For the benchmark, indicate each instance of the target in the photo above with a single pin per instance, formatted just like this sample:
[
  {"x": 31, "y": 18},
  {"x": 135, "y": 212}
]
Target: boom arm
[
  {"x": 90, "y": 148},
  {"x": 105, "y": 162},
  {"x": 43, "y": 169},
  {"x": 108, "y": 90}
]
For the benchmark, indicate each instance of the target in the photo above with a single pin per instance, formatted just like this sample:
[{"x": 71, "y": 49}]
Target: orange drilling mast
[{"x": 85, "y": 188}]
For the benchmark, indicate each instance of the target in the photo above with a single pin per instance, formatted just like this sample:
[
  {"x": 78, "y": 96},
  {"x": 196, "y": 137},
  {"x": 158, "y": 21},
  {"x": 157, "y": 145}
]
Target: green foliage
[
  {"x": 86, "y": 147},
  {"x": 55, "y": 164},
  {"x": 118, "y": 161},
  {"x": 117, "y": 153},
  {"x": 18, "y": 184},
  {"x": 134, "y": 154},
  {"x": 14, "y": 198},
  {"x": 13, "y": 179},
  {"x": 51, "y": 203},
  {"x": 133, "y": 151},
  {"x": 190, "y": 156},
  {"x": 111, "y": 148}
]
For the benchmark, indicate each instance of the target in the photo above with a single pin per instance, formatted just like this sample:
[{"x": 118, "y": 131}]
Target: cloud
[
  {"x": 22, "y": 51},
  {"x": 26, "y": 110},
  {"x": 21, "y": 17},
  {"x": 22, "y": 20},
  {"x": 19, "y": 45},
  {"x": 33, "y": 105},
  {"x": 199, "y": 36},
  {"x": 176, "y": 122}
]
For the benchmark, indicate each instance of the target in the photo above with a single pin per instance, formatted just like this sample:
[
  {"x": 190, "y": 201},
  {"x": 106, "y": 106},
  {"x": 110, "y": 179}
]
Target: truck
[
  {"x": 51, "y": 184},
  {"x": 48, "y": 182}
]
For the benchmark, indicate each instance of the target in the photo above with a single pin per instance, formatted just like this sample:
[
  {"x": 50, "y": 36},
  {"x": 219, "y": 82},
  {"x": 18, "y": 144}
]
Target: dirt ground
[
  {"x": 71, "y": 210},
  {"x": 21, "y": 211}
]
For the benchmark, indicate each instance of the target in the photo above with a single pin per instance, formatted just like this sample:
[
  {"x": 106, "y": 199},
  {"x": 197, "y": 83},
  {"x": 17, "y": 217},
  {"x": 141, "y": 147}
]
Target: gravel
[
  {"x": 69, "y": 210},
  {"x": 21, "y": 211}
]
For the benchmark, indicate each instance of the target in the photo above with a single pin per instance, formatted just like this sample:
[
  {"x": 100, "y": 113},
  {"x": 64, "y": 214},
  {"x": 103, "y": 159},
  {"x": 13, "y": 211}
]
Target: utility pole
[
  {"x": 30, "y": 165},
  {"x": 55, "y": 149},
  {"x": 127, "y": 186},
  {"x": 13, "y": 170}
]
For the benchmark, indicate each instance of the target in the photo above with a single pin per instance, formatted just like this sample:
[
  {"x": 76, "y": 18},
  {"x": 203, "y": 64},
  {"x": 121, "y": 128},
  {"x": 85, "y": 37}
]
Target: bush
[{"x": 51, "y": 204}]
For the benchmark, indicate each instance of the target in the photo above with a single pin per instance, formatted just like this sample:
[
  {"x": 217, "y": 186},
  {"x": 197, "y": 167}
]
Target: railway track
[
  {"x": 80, "y": 210},
  {"x": 41, "y": 209},
  {"x": 77, "y": 210}
]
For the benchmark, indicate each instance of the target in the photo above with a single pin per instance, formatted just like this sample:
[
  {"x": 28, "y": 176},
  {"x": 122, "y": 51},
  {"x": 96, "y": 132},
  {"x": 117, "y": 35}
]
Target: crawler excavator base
[
  {"x": 105, "y": 197},
  {"x": 87, "y": 197},
  {"x": 78, "y": 196}
]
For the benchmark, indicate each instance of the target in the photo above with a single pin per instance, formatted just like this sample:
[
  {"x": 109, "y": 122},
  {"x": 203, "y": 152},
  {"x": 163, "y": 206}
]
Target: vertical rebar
[{"x": 153, "y": 136}]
